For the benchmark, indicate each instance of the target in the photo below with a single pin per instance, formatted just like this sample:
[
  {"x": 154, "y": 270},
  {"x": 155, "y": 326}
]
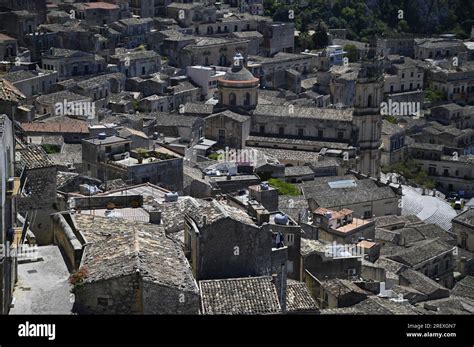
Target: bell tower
[{"x": 367, "y": 117}]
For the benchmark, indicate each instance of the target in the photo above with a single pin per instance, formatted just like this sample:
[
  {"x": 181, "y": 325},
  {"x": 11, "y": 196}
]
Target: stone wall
[
  {"x": 65, "y": 238},
  {"x": 123, "y": 294},
  {"x": 229, "y": 249},
  {"x": 159, "y": 299},
  {"x": 330, "y": 268},
  {"x": 131, "y": 294}
]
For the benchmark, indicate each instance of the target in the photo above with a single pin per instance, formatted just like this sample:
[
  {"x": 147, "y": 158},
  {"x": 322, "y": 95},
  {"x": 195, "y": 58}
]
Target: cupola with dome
[{"x": 238, "y": 89}]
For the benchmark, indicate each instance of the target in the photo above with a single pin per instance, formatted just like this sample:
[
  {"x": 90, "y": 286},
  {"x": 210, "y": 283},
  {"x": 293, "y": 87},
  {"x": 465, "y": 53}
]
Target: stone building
[
  {"x": 400, "y": 44},
  {"x": 123, "y": 272},
  {"x": 144, "y": 8},
  {"x": 134, "y": 32},
  {"x": 437, "y": 48},
  {"x": 32, "y": 82},
  {"x": 191, "y": 13},
  {"x": 99, "y": 150},
  {"x": 206, "y": 77},
  {"x": 64, "y": 103},
  {"x": 238, "y": 88},
  {"x": 71, "y": 130},
  {"x": 367, "y": 117},
  {"x": 433, "y": 258},
  {"x": 224, "y": 242},
  {"x": 111, "y": 157},
  {"x": 454, "y": 114},
  {"x": 463, "y": 227},
  {"x": 402, "y": 75},
  {"x": 303, "y": 123},
  {"x": 37, "y": 7},
  {"x": 38, "y": 199},
  {"x": 336, "y": 293},
  {"x": 457, "y": 82},
  {"x": 97, "y": 13},
  {"x": 451, "y": 172},
  {"x": 186, "y": 129},
  {"x": 136, "y": 63},
  {"x": 228, "y": 128},
  {"x": 255, "y": 41},
  {"x": 394, "y": 149},
  {"x": 272, "y": 71},
  {"x": 70, "y": 63},
  {"x": 277, "y": 37},
  {"x": 366, "y": 197},
  {"x": 318, "y": 260},
  {"x": 19, "y": 24},
  {"x": 9, "y": 189},
  {"x": 212, "y": 51},
  {"x": 341, "y": 226},
  {"x": 8, "y": 47},
  {"x": 229, "y": 24}
]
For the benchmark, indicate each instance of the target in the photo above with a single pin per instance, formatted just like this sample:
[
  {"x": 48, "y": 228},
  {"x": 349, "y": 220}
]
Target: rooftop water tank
[
  {"x": 102, "y": 136},
  {"x": 171, "y": 197},
  {"x": 328, "y": 215},
  {"x": 264, "y": 186},
  {"x": 281, "y": 219}
]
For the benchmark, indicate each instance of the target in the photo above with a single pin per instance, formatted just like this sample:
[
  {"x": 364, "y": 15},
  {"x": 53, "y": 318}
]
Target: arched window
[
  {"x": 232, "y": 99},
  {"x": 223, "y": 60},
  {"x": 247, "y": 99}
]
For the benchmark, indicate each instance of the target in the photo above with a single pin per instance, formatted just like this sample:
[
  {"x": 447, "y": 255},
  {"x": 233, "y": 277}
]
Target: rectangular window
[
  {"x": 281, "y": 130},
  {"x": 289, "y": 239},
  {"x": 262, "y": 129},
  {"x": 300, "y": 132},
  {"x": 221, "y": 135}
]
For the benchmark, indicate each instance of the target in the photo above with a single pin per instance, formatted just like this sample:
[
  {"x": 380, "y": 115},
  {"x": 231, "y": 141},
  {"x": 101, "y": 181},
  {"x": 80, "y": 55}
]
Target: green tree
[
  {"x": 351, "y": 52},
  {"x": 320, "y": 37}
]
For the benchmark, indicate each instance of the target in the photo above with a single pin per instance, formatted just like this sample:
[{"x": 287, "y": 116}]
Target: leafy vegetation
[
  {"x": 351, "y": 52},
  {"x": 435, "y": 95},
  {"x": 363, "y": 19},
  {"x": 51, "y": 149},
  {"x": 215, "y": 156},
  {"x": 411, "y": 171},
  {"x": 391, "y": 119},
  {"x": 283, "y": 187}
]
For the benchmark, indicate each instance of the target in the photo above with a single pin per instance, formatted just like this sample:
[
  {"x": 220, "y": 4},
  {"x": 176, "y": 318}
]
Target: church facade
[{"x": 354, "y": 133}]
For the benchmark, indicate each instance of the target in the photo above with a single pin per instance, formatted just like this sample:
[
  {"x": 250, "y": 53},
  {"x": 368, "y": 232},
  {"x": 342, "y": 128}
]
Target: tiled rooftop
[
  {"x": 253, "y": 295},
  {"x": 118, "y": 247}
]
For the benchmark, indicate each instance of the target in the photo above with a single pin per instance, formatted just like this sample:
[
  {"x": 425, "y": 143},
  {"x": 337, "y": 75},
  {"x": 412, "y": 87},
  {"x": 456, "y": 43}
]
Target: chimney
[{"x": 155, "y": 217}]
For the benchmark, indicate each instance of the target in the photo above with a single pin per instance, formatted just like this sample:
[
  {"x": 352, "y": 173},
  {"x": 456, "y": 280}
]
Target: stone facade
[
  {"x": 228, "y": 128},
  {"x": 227, "y": 247},
  {"x": 463, "y": 227},
  {"x": 8, "y": 264}
]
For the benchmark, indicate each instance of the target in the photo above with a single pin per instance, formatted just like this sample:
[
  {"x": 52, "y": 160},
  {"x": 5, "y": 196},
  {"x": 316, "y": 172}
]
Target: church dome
[{"x": 238, "y": 73}]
